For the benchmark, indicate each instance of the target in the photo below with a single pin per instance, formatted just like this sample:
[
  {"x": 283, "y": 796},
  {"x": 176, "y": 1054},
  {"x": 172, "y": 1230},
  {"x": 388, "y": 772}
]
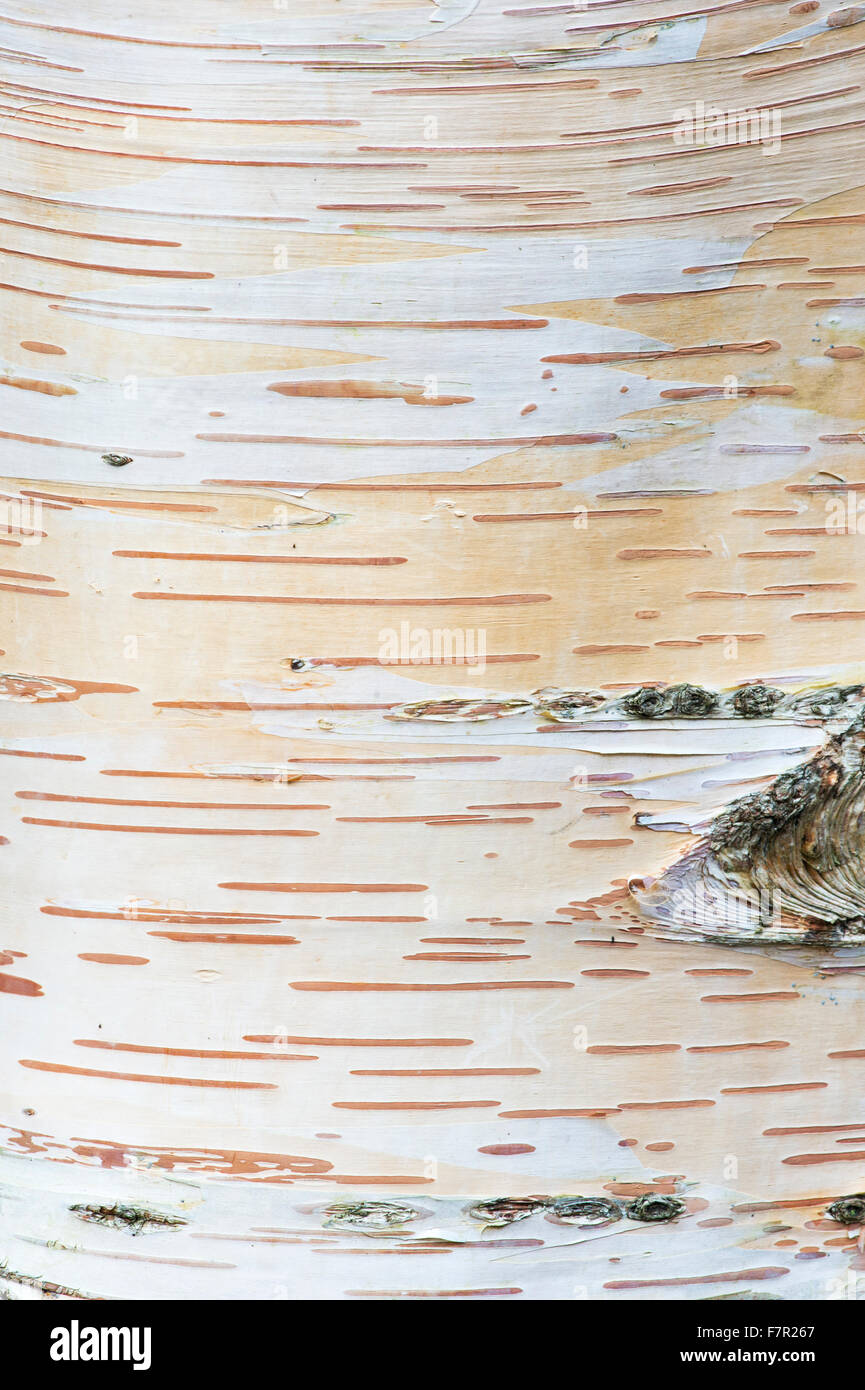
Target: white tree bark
[{"x": 359, "y": 357}]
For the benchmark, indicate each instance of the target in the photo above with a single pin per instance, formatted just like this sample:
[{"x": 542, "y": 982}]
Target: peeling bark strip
[
  {"x": 439, "y": 431},
  {"x": 780, "y": 864}
]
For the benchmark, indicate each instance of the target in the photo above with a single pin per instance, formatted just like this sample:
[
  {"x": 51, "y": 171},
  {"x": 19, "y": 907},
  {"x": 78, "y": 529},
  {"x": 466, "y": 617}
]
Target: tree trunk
[{"x": 391, "y": 392}]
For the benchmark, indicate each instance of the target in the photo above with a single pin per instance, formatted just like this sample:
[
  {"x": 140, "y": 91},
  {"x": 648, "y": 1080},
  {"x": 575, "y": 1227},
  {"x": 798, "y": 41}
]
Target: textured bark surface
[{"x": 363, "y": 356}]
